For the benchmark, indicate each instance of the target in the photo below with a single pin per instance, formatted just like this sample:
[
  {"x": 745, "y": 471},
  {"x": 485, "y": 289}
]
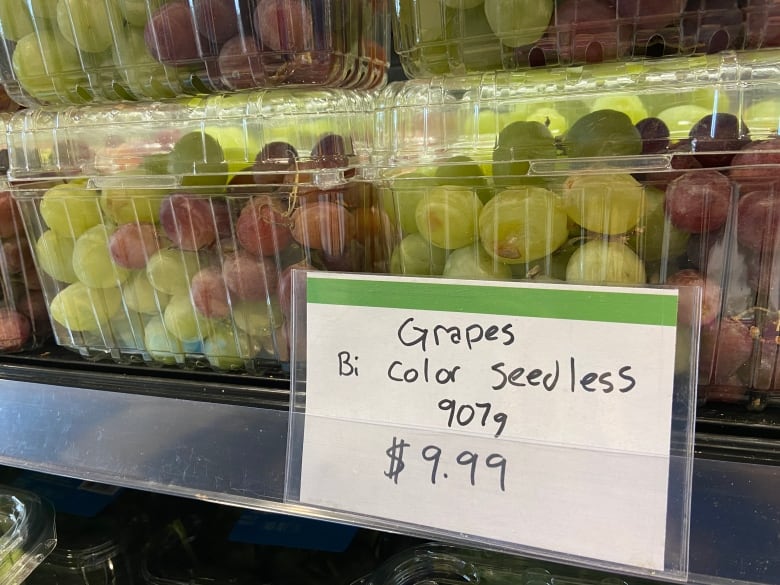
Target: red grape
[
  {"x": 285, "y": 285},
  {"x": 587, "y": 30},
  {"x": 725, "y": 346},
  {"x": 762, "y": 23},
  {"x": 209, "y": 293},
  {"x": 9, "y": 215},
  {"x": 284, "y": 25},
  {"x": 711, "y": 294},
  {"x": 758, "y": 220},
  {"x": 240, "y": 65},
  {"x": 249, "y": 277},
  {"x": 15, "y": 330},
  {"x": 261, "y": 229},
  {"x": 32, "y": 304},
  {"x": 17, "y": 255},
  {"x": 330, "y": 152},
  {"x": 217, "y": 20},
  {"x": 273, "y": 162},
  {"x": 715, "y": 137},
  {"x": 766, "y": 370},
  {"x": 655, "y": 135},
  {"x": 188, "y": 221},
  {"x": 323, "y": 226},
  {"x": 171, "y": 36},
  {"x": 132, "y": 244},
  {"x": 699, "y": 201},
  {"x": 756, "y": 165},
  {"x": 681, "y": 163}
]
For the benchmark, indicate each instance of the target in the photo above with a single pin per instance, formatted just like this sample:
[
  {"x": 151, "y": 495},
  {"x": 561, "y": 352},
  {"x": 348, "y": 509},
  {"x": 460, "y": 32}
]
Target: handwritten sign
[{"x": 531, "y": 414}]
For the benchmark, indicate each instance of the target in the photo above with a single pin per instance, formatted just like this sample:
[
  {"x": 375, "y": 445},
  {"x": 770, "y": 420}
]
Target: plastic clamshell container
[
  {"x": 440, "y": 564},
  {"x": 663, "y": 172},
  {"x": 163, "y": 232},
  {"x": 27, "y": 534},
  {"x": 78, "y": 51},
  {"x": 438, "y": 37},
  {"x": 24, "y": 320}
]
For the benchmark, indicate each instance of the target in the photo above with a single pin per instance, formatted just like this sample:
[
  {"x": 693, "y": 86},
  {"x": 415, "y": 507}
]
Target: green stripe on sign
[{"x": 550, "y": 303}]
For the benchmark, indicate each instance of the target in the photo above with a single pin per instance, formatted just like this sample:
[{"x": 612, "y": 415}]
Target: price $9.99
[{"x": 474, "y": 465}]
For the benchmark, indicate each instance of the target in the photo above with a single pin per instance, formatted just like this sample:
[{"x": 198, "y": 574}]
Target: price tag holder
[{"x": 550, "y": 419}]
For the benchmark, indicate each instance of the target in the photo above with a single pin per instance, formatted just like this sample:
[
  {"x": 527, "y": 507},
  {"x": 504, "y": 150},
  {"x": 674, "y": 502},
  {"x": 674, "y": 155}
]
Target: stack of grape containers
[
  {"x": 648, "y": 153},
  {"x": 178, "y": 158}
]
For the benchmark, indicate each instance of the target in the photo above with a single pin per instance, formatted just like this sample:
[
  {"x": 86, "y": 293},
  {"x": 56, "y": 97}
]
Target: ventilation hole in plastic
[
  {"x": 719, "y": 42},
  {"x": 536, "y": 58},
  {"x": 594, "y": 53},
  {"x": 656, "y": 46}
]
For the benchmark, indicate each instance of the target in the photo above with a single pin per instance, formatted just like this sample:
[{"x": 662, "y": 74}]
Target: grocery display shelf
[{"x": 223, "y": 438}]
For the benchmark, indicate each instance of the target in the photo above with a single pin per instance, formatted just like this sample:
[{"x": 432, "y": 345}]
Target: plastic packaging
[
  {"x": 27, "y": 534},
  {"x": 78, "y": 51},
  {"x": 24, "y": 321},
  {"x": 432, "y": 564},
  {"x": 163, "y": 233},
  {"x": 662, "y": 172},
  {"x": 437, "y": 37}
]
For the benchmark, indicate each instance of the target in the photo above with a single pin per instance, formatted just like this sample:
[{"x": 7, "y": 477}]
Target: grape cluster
[
  {"x": 200, "y": 273},
  {"x": 711, "y": 218},
  {"x": 76, "y": 51},
  {"x": 454, "y": 36}
]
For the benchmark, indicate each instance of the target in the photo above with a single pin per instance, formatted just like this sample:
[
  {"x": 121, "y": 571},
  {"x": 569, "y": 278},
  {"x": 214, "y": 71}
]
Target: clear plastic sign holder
[{"x": 552, "y": 420}]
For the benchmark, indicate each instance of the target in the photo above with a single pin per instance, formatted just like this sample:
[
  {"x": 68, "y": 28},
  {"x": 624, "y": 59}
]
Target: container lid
[
  {"x": 279, "y": 132},
  {"x": 633, "y": 113},
  {"x": 27, "y": 534},
  {"x": 441, "y": 564}
]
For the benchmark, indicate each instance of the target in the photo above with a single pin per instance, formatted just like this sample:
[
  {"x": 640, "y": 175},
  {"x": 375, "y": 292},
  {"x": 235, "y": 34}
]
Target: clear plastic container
[
  {"x": 437, "y": 37},
  {"x": 78, "y": 51},
  {"x": 27, "y": 534},
  {"x": 24, "y": 321},
  {"x": 663, "y": 172},
  {"x": 440, "y": 564},
  {"x": 164, "y": 233}
]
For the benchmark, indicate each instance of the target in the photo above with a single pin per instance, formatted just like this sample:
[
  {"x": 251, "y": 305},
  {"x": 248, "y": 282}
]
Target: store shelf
[{"x": 223, "y": 438}]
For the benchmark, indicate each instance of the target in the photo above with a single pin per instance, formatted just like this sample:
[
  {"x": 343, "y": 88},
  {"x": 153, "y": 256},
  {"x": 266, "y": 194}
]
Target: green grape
[
  {"x": 519, "y": 22},
  {"x": 711, "y": 98},
  {"x": 447, "y": 216},
  {"x": 228, "y": 349},
  {"x": 473, "y": 262},
  {"x": 43, "y": 8},
  {"x": 402, "y": 196},
  {"x": 132, "y": 205},
  {"x": 48, "y": 67},
  {"x": 763, "y": 117},
  {"x": 603, "y": 133},
  {"x": 92, "y": 260},
  {"x": 606, "y": 204},
  {"x": 86, "y": 24},
  {"x": 655, "y": 231},
  {"x": 548, "y": 268},
  {"x": 518, "y": 143},
  {"x": 473, "y": 45},
  {"x": 184, "y": 322},
  {"x": 80, "y": 308},
  {"x": 463, "y": 171},
  {"x": 161, "y": 345},
  {"x": 554, "y": 120},
  {"x": 605, "y": 261},
  {"x": 54, "y": 254},
  {"x": 140, "y": 296},
  {"x": 680, "y": 119},
  {"x": 15, "y": 20},
  {"x": 170, "y": 271},
  {"x": 134, "y": 11},
  {"x": 256, "y": 319},
  {"x": 520, "y": 225},
  {"x": 416, "y": 255},
  {"x": 199, "y": 158},
  {"x": 424, "y": 20},
  {"x": 144, "y": 75},
  {"x": 70, "y": 209},
  {"x": 630, "y": 105},
  {"x": 462, "y": 4}
]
